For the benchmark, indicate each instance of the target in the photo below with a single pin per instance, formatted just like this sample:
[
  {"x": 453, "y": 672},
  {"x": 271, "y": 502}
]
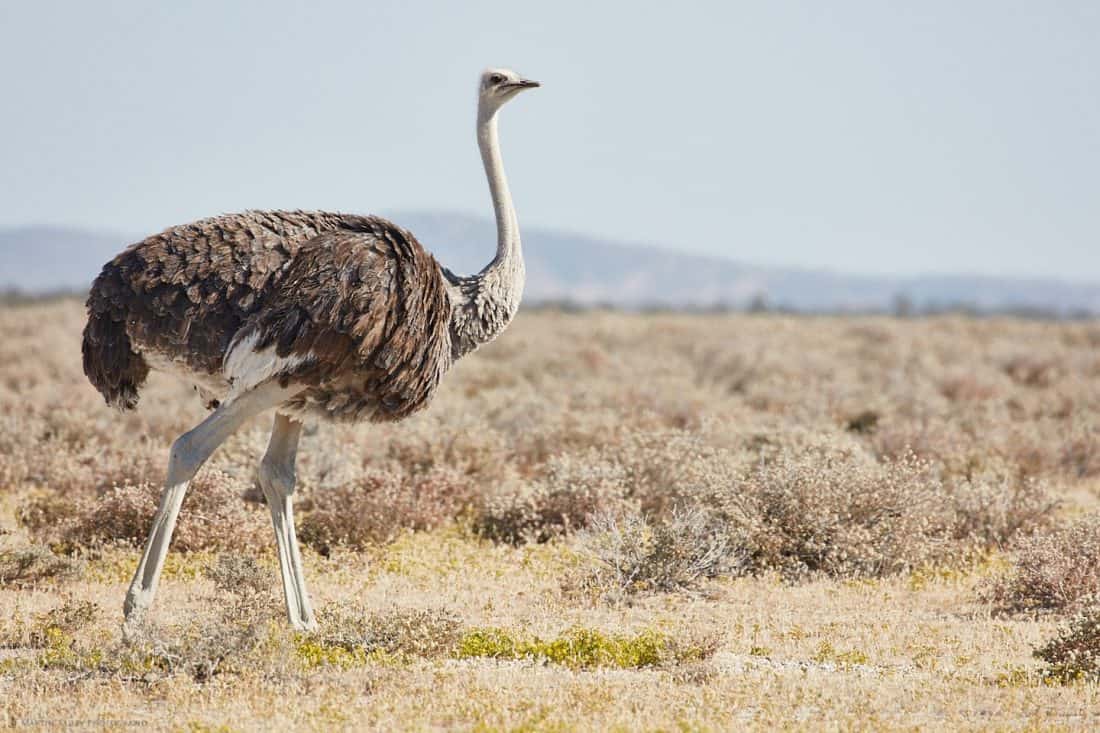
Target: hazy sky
[{"x": 864, "y": 136}]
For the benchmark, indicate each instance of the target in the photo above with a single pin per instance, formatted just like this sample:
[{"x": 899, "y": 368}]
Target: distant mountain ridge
[{"x": 575, "y": 268}]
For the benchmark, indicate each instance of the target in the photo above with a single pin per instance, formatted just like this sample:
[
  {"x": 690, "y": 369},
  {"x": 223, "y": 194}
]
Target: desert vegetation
[{"x": 604, "y": 521}]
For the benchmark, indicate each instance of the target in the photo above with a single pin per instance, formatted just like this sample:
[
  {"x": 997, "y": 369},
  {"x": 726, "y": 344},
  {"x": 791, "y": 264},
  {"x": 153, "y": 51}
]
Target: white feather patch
[
  {"x": 212, "y": 384},
  {"x": 246, "y": 368}
]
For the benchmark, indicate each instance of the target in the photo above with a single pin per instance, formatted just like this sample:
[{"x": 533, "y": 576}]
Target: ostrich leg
[
  {"x": 277, "y": 480},
  {"x": 188, "y": 454}
]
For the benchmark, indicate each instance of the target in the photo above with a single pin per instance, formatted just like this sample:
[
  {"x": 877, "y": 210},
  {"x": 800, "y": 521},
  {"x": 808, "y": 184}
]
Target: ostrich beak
[{"x": 524, "y": 84}]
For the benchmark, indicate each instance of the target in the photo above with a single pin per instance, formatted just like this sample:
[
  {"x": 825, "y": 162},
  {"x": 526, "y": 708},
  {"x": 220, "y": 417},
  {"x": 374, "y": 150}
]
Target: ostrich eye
[{"x": 496, "y": 79}]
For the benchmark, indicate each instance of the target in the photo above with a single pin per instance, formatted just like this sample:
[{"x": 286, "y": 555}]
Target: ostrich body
[{"x": 316, "y": 315}]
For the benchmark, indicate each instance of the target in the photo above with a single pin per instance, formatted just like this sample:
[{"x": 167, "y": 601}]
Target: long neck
[
  {"x": 486, "y": 302},
  {"x": 488, "y": 141}
]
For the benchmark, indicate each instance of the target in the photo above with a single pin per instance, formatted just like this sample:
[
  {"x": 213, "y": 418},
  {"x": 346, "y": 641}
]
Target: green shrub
[{"x": 581, "y": 648}]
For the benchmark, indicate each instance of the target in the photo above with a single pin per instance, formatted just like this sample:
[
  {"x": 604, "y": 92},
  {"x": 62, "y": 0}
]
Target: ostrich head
[{"x": 497, "y": 87}]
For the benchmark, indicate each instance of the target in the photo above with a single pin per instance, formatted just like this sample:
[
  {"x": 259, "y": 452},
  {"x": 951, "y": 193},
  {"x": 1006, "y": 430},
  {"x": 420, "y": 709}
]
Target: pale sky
[{"x": 868, "y": 137}]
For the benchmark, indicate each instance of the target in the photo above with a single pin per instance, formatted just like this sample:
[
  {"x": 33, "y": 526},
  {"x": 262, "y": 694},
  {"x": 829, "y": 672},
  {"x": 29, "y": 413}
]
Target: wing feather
[{"x": 362, "y": 315}]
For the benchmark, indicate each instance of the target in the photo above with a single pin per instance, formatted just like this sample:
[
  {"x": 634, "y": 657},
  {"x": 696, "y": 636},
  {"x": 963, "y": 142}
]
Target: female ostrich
[{"x": 315, "y": 314}]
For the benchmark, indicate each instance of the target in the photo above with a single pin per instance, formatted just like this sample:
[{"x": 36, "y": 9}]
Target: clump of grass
[
  {"x": 1052, "y": 571},
  {"x": 1074, "y": 654},
  {"x": 636, "y": 554},
  {"x": 374, "y": 509},
  {"x": 68, "y": 618},
  {"x": 61, "y": 651},
  {"x": 238, "y": 574},
  {"x": 313, "y": 653},
  {"x": 826, "y": 653},
  {"x": 34, "y": 563},
  {"x": 224, "y": 645},
  {"x": 229, "y": 642},
  {"x": 44, "y": 629},
  {"x": 349, "y": 635},
  {"x": 581, "y": 648}
]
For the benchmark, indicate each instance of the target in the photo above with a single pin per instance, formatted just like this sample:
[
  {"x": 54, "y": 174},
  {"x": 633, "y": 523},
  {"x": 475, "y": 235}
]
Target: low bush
[
  {"x": 570, "y": 490},
  {"x": 845, "y": 515},
  {"x": 821, "y": 508},
  {"x": 239, "y": 575},
  {"x": 1074, "y": 654},
  {"x": 1052, "y": 571},
  {"x": 34, "y": 563},
  {"x": 838, "y": 515},
  {"x": 633, "y": 553},
  {"x": 376, "y": 508},
  {"x": 213, "y": 517}
]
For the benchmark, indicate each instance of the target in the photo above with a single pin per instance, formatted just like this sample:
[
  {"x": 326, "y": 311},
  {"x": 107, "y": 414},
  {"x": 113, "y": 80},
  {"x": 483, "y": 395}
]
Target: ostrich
[{"x": 318, "y": 315}]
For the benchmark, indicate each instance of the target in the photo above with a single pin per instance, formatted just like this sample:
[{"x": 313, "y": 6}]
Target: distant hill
[
  {"x": 586, "y": 270},
  {"x": 37, "y": 259}
]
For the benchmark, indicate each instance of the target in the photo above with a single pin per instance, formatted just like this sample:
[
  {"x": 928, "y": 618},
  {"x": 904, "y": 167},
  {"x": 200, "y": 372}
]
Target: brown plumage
[
  {"x": 312, "y": 314},
  {"x": 363, "y": 307}
]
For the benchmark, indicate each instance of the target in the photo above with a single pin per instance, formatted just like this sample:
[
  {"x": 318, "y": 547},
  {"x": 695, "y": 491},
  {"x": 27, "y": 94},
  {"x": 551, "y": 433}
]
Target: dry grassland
[{"x": 604, "y": 521}]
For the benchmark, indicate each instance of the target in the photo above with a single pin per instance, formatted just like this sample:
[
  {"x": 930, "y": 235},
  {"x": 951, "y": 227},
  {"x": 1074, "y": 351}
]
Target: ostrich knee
[
  {"x": 277, "y": 478},
  {"x": 184, "y": 459}
]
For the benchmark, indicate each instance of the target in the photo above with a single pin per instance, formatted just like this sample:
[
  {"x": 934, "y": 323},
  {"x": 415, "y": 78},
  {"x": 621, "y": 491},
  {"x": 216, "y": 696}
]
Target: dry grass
[{"x": 604, "y": 521}]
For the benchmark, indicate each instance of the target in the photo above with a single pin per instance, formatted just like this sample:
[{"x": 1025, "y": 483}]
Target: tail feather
[{"x": 110, "y": 363}]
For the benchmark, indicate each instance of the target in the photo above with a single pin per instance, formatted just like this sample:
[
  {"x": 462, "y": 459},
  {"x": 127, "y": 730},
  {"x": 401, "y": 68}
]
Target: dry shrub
[
  {"x": 234, "y": 639},
  {"x": 863, "y": 422},
  {"x": 846, "y": 515},
  {"x": 965, "y": 388},
  {"x": 991, "y": 510},
  {"x": 214, "y": 516},
  {"x": 379, "y": 506},
  {"x": 467, "y": 449},
  {"x": 422, "y": 632},
  {"x": 1074, "y": 654},
  {"x": 42, "y": 514},
  {"x": 812, "y": 506},
  {"x": 1053, "y": 571},
  {"x": 653, "y": 471},
  {"x": 201, "y": 648},
  {"x": 1032, "y": 371},
  {"x": 840, "y": 516},
  {"x": 573, "y": 489},
  {"x": 34, "y": 563},
  {"x": 238, "y": 574},
  {"x": 226, "y": 644},
  {"x": 1080, "y": 456},
  {"x": 636, "y": 554}
]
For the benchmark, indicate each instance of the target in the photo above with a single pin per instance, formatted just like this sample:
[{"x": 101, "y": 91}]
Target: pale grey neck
[
  {"x": 485, "y": 303},
  {"x": 488, "y": 141}
]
